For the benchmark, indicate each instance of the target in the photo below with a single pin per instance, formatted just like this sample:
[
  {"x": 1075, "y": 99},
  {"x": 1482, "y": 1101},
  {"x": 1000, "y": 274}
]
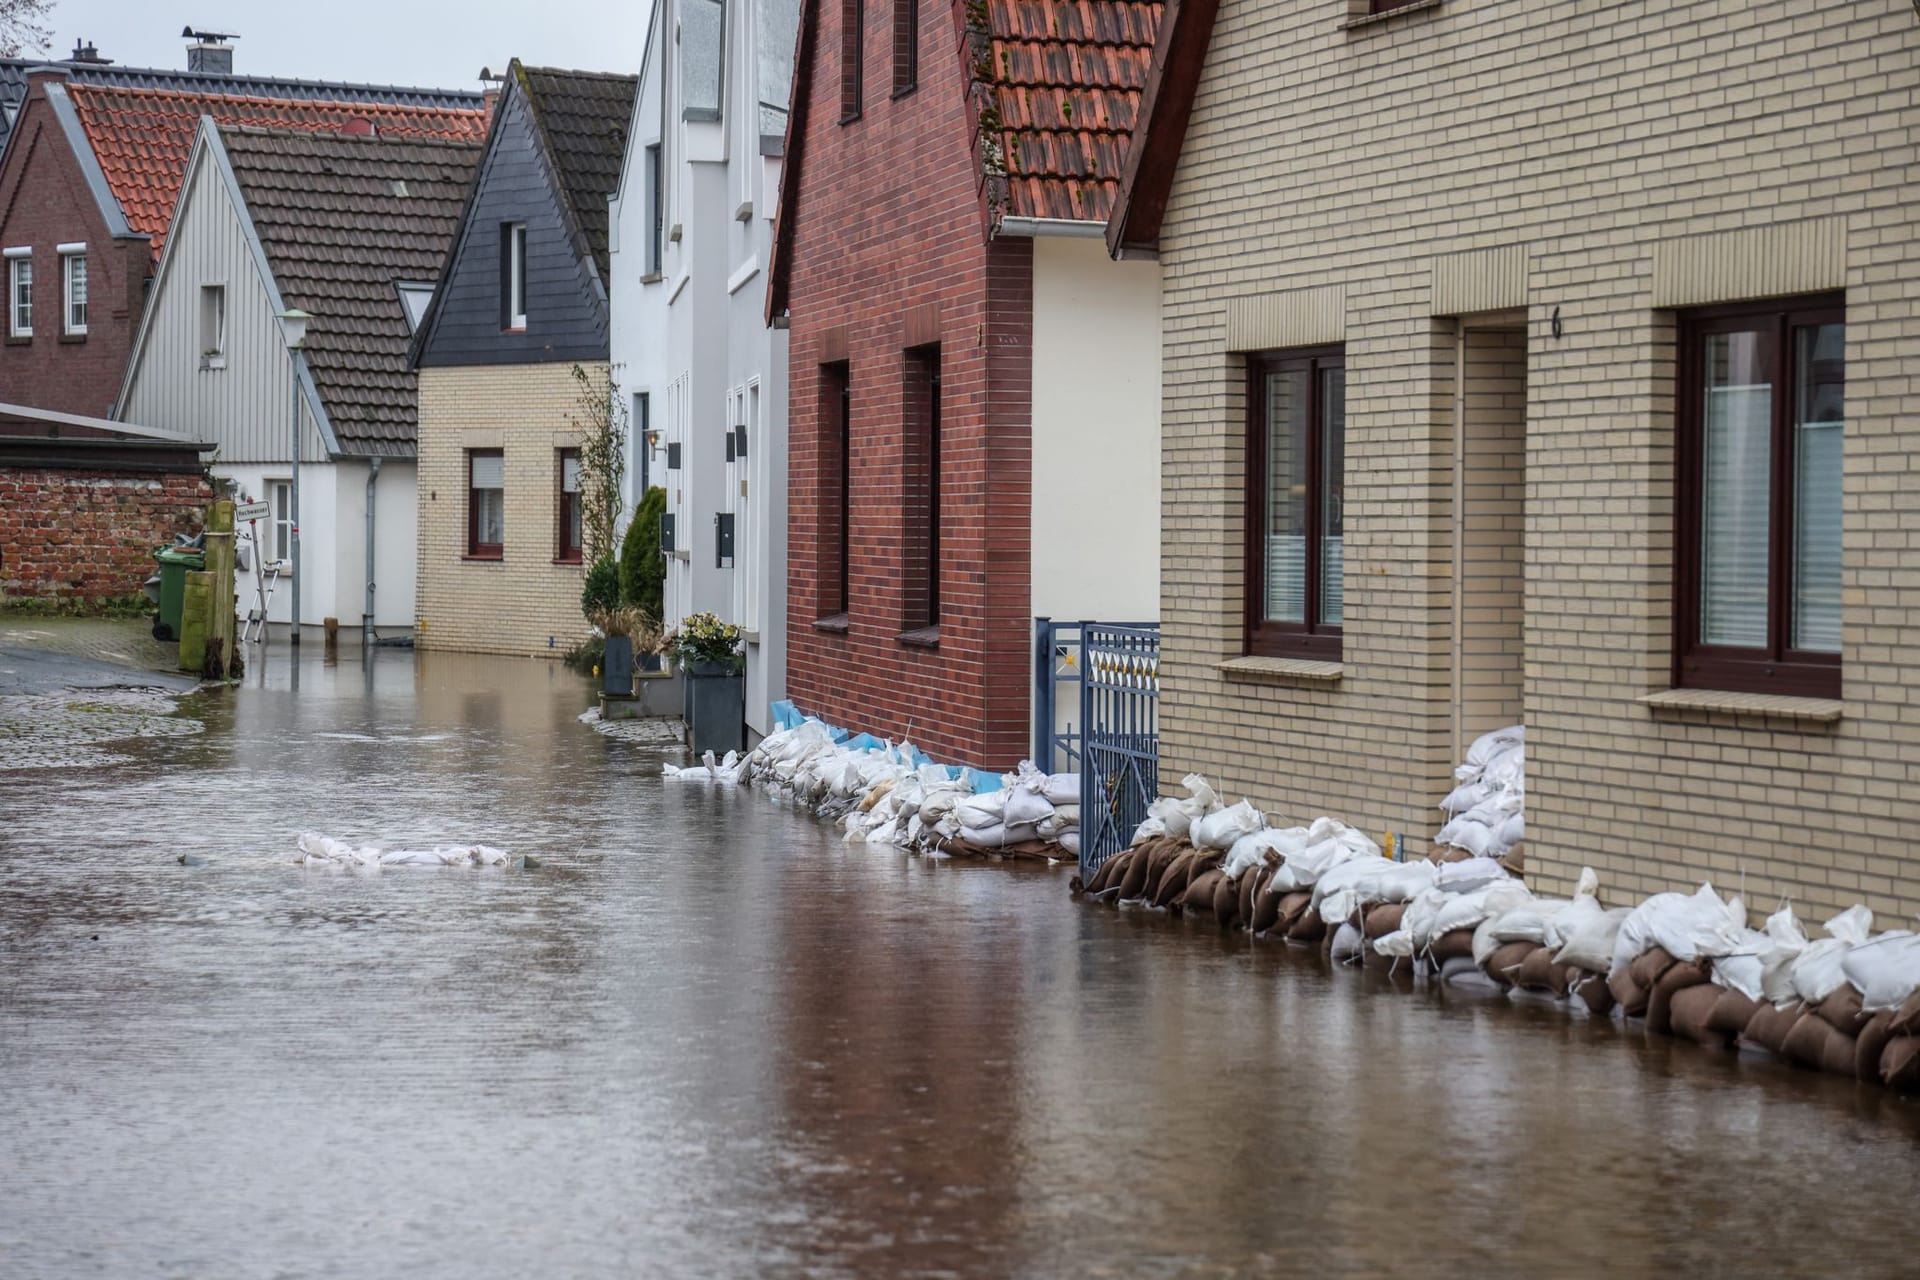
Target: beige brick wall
[
  {"x": 523, "y": 603},
  {"x": 1629, "y": 158}
]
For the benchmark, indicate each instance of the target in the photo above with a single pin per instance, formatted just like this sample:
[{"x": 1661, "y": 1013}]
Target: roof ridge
[
  {"x": 112, "y": 70},
  {"x": 88, "y": 90},
  {"x": 332, "y": 135},
  {"x": 575, "y": 71}
]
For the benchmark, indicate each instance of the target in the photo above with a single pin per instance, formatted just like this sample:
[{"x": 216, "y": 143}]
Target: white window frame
[
  {"x": 19, "y": 265},
  {"x": 213, "y": 352},
  {"x": 71, "y": 254},
  {"x": 280, "y": 497},
  {"x": 517, "y": 275}
]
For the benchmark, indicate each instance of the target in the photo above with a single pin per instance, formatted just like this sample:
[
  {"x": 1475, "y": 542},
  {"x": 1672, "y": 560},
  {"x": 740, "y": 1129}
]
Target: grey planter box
[
  {"x": 616, "y": 666},
  {"x": 716, "y": 708}
]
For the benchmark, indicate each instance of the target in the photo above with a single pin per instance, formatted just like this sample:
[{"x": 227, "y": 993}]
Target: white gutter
[{"x": 1027, "y": 228}]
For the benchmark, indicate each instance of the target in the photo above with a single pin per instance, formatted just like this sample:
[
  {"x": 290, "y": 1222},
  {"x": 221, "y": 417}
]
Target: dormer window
[
  {"x": 414, "y": 297},
  {"x": 513, "y": 262}
]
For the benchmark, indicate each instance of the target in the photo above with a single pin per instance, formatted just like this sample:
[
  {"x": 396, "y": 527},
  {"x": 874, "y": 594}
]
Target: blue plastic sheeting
[
  {"x": 981, "y": 782},
  {"x": 788, "y": 716},
  {"x": 864, "y": 742}
]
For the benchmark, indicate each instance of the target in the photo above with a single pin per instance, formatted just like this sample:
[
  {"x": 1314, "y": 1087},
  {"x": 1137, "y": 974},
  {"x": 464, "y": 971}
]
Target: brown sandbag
[
  {"x": 1134, "y": 882},
  {"x": 1842, "y": 1010},
  {"x": 1650, "y": 966},
  {"x": 1383, "y": 918},
  {"x": 1813, "y": 1042},
  {"x": 1266, "y": 910},
  {"x": 1732, "y": 1012},
  {"x": 1173, "y": 879},
  {"x": 1505, "y": 962},
  {"x": 1226, "y": 901},
  {"x": 1627, "y": 993},
  {"x": 1455, "y": 945},
  {"x": 1207, "y": 861},
  {"x": 1900, "y": 1064},
  {"x": 1307, "y": 926},
  {"x": 1679, "y": 976},
  {"x": 1906, "y": 1019},
  {"x": 1592, "y": 990},
  {"x": 1538, "y": 972},
  {"x": 1293, "y": 906},
  {"x": 1102, "y": 873},
  {"x": 1875, "y": 1034},
  {"x": 1199, "y": 894},
  {"x": 1162, "y": 857},
  {"x": 1769, "y": 1026},
  {"x": 1690, "y": 1015},
  {"x": 1249, "y": 893}
]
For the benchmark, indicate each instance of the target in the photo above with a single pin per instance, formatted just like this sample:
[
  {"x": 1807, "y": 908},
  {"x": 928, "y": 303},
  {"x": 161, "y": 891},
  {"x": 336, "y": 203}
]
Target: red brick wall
[
  {"x": 80, "y": 535},
  {"x": 889, "y": 252},
  {"x": 44, "y": 203}
]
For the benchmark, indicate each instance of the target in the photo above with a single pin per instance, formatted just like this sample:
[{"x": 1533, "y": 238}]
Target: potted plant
[
  {"x": 649, "y": 639},
  {"x": 708, "y": 652}
]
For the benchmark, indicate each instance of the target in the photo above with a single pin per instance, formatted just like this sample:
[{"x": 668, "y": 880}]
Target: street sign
[{"x": 252, "y": 511}]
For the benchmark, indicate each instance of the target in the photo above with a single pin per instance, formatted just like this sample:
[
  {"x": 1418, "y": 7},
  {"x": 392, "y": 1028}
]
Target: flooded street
[{"x": 704, "y": 1038}]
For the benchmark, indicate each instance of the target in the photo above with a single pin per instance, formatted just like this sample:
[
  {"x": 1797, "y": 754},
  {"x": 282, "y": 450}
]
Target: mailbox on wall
[
  {"x": 723, "y": 540},
  {"x": 673, "y": 455},
  {"x": 666, "y": 532}
]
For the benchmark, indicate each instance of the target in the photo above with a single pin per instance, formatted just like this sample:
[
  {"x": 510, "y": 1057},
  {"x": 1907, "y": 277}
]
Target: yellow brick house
[
  {"x": 1555, "y": 363},
  {"x": 521, "y": 304}
]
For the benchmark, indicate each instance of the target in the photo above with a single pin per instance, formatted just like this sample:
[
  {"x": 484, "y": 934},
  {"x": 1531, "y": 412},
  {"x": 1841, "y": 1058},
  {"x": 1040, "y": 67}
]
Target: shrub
[
  {"x": 603, "y": 588},
  {"x": 643, "y": 569}
]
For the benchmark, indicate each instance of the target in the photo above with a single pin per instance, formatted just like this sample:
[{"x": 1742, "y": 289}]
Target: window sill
[
  {"x": 571, "y": 561},
  {"x": 852, "y": 119},
  {"x": 513, "y": 328},
  {"x": 19, "y": 339},
  {"x": 653, "y": 277},
  {"x": 74, "y": 339},
  {"x": 921, "y": 637},
  {"x": 1359, "y": 21},
  {"x": 470, "y": 558},
  {"x": 1767, "y": 706},
  {"x": 905, "y": 91},
  {"x": 750, "y": 637},
  {"x": 1264, "y": 670},
  {"x": 682, "y": 554},
  {"x": 836, "y": 624}
]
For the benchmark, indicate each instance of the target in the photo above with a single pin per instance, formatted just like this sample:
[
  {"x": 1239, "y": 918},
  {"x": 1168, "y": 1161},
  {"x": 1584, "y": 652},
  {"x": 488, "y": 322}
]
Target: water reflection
[{"x": 706, "y": 1038}]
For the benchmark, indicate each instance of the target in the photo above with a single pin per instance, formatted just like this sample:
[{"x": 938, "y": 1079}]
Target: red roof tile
[
  {"x": 142, "y": 136},
  {"x": 1066, "y": 78}
]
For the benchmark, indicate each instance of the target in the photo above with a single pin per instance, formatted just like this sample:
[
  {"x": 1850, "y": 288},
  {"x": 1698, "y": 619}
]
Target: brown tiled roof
[
  {"x": 341, "y": 219},
  {"x": 583, "y": 116},
  {"x": 1066, "y": 78},
  {"x": 142, "y": 136}
]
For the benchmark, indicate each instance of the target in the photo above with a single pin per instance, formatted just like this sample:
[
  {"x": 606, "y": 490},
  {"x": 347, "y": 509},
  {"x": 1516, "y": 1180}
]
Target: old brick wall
[
  {"x": 44, "y": 203},
  {"x": 888, "y": 253},
  {"x": 1602, "y": 164},
  {"x": 78, "y": 536},
  {"x": 525, "y": 602}
]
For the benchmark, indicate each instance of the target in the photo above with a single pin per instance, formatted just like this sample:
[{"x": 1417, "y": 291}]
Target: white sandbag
[
  {"x": 1024, "y": 805},
  {"x": 1149, "y": 829},
  {"x": 1706, "y": 927},
  {"x": 1469, "y": 874},
  {"x": 1469, "y": 910},
  {"x": 985, "y": 837},
  {"x": 1348, "y": 943},
  {"x": 984, "y": 810},
  {"x": 1172, "y": 820},
  {"x": 1063, "y": 789},
  {"x": 1885, "y": 970},
  {"x": 1463, "y": 798},
  {"x": 1464, "y": 833},
  {"x": 1820, "y": 970},
  {"x": 1488, "y": 745},
  {"x": 1219, "y": 830},
  {"x": 1365, "y": 881},
  {"x": 1532, "y": 921},
  {"x": 1070, "y": 841},
  {"x": 1463, "y": 973},
  {"x": 1589, "y": 938},
  {"x": 1510, "y": 833}
]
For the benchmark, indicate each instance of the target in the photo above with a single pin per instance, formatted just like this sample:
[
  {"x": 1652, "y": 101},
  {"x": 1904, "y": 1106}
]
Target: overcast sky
[{"x": 372, "y": 41}]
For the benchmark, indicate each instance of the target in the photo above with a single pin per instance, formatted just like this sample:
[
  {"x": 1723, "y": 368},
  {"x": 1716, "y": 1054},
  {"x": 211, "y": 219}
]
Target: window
[
  {"x": 1296, "y": 491},
  {"x": 836, "y": 489},
  {"x": 486, "y": 503},
  {"x": 280, "y": 494},
  {"x": 642, "y": 429},
  {"x": 922, "y": 490},
  {"x": 853, "y": 23},
  {"x": 569, "y": 531},
  {"x": 656, "y": 211},
  {"x": 73, "y": 271},
  {"x": 213, "y": 326},
  {"x": 1757, "y": 576},
  {"x": 414, "y": 297},
  {"x": 20, "y": 293},
  {"x": 906, "y": 46},
  {"x": 513, "y": 269}
]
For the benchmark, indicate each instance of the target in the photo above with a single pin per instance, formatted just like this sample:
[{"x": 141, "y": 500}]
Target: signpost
[{"x": 252, "y": 511}]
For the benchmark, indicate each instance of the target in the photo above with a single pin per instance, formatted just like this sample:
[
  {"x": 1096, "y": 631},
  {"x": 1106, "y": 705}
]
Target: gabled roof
[
  {"x": 582, "y": 119},
  {"x": 141, "y": 137},
  {"x": 1065, "y": 78},
  {"x": 340, "y": 220},
  {"x": 1054, "y": 89},
  {"x": 13, "y": 86},
  {"x": 1179, "y": 57}
]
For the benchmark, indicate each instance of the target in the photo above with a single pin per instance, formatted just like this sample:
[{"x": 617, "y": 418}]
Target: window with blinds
[
  {"x": 1761, "y": 422},
  {"x": 1296, "y": 497}
]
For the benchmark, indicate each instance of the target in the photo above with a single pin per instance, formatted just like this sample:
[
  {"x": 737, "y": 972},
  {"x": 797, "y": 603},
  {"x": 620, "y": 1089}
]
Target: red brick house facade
[{"x": 910, "y": 611}]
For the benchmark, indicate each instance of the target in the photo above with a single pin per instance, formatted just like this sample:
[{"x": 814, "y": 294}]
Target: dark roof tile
[{"x": 584, "y": 117}]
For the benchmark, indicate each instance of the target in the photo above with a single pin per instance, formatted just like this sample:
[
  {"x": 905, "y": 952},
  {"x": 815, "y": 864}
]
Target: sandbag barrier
[
  {"x": 1685, "y": 965},
  {"x": 881, "y": 792}
]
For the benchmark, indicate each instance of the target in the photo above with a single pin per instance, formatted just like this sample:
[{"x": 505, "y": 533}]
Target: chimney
[
  {"x": 211, "y": 51},
  {"x": 84, "y": 52}
]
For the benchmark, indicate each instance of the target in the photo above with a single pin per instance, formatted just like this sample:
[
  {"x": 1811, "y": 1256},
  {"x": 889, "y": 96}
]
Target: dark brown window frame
[
  {"x": 1388, "y": 6},
  {"x": 920, "y": 389},
  {"x": 565, "y": 551},
  {"x": 835, "y": 488},
  {"x": 476, "y": 549},
  {"x": 1778, "y": 668},
  {"x": 1311, "y": 640},
  {"x": 906, "y": 47},
  {"x": 853, "y": 32}
]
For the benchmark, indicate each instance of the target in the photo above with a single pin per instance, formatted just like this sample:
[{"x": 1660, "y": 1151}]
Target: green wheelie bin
[{"x": 175, "y": 562}]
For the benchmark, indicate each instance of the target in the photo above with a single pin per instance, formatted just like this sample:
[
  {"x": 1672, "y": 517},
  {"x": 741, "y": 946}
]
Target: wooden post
[
  {"x": 194, "y": 612},
  {"x": 220, "y": 619},
  {"x": 332, "y": 627}
]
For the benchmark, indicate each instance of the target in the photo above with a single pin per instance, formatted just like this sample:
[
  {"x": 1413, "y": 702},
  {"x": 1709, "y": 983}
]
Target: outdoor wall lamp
[{"x": 293, "y": 328}]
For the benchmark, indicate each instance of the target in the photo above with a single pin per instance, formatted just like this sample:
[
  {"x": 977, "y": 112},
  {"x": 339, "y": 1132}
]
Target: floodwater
[{"x": 707, "y": 1039}]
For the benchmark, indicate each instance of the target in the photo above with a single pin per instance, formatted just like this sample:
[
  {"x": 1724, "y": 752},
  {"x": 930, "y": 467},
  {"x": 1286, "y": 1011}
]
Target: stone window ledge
[
  {"x": 1359, "y": 20},
  {"x": 921, "y": 637},
  {"x": 1282, "y": 670},
  {"x": 835, "y": 622},
  {"x": 1770, "y": 706}
]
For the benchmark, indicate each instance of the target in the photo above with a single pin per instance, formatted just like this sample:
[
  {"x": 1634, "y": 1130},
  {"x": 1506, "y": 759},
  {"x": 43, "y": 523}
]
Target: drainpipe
[{"x": 366, "y": 619}]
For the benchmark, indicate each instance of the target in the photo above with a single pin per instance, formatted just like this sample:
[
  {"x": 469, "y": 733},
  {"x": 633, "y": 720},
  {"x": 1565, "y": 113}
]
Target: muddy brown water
[{"x": 708, "y": 1039}]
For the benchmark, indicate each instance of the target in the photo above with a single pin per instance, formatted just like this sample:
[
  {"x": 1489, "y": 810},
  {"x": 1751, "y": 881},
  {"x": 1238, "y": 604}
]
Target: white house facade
[{"x": 703, "y": 375}]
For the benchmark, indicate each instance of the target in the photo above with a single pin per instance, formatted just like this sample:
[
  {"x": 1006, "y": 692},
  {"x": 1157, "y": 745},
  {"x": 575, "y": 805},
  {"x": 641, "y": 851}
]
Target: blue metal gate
[
  {"x": 1056, "y": 685},
  {"x": 1120, "y": 727}
]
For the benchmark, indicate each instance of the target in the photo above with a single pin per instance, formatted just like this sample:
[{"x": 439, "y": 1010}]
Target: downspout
[{"x": 366, "y": 619}]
